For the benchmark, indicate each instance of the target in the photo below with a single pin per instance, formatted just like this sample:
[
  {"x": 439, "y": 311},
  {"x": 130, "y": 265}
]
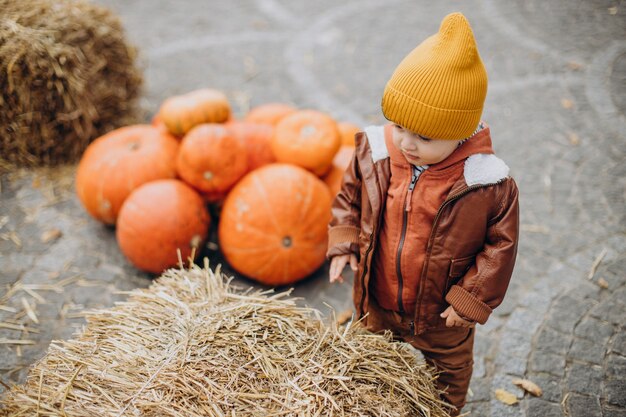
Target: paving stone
[
  {"x": 481, "y": 390},
  {"x": 609, "y": 411},
  {"x": 616, "y": 365},
  {"x": 565, "y": 313},
  {"x": 587, "y": 290},
  {"x": 608, "y": 310},
  {"x": 16, "y": 262},
  {"x": 515, "y": 344},
  {"x": 587, "y": 351},
  {"x": 550, "y": 340},
  {"x": 594, "y": 329},
  {"x": 619, "y": 344},
  {"x": 584, "y": 379},
  {"x": 502, "y": 410},
  {"x": 548, "y": 363},
  {"x": 524, "y": 320},
  {"x": 479, "y": 370},
  {"x": 620, "y": 294},
  {"x": 60, "y": 255},
  {"x": 510, "y": 364},
  {"x": 540, "y": 408},
  {"x": 477, "y": 409},
  {"x": 583, "y": 406},
  {"x": 615, "y": 391}
]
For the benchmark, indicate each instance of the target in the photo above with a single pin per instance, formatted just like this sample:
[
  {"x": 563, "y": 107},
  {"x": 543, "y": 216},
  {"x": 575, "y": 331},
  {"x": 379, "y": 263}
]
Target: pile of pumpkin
[{"x": 273, "y": 175}]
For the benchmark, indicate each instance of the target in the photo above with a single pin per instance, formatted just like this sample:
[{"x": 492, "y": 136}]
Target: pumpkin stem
[
  {"x": 133, "y": 146},
  {"x": 287, "y": 241},
  {"x": 195, "y": 241},
  {"x": 307, "y": 131}
]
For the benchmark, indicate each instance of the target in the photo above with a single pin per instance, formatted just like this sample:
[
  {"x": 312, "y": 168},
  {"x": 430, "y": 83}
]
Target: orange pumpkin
[
  {"x": 157, "y": 219},
  {"x": 211, "y": 158},
  {"x": 273, "y": 226},
  {"x": 270, "y": 113},
  {"x": 120, "y": 161},
  {"x": 181, "y": 113},
  {"x": 340, "y": 163},
  {"x": 347, "y": 132},
  {"x": 159, "y": 124},
  {"x": 307, "y": 138},
  {"x": 257, "y": 139}
]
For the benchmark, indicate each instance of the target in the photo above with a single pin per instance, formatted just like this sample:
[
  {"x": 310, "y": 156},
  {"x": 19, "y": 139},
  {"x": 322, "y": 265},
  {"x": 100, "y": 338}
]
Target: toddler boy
[{"x": 427, "y": 215}]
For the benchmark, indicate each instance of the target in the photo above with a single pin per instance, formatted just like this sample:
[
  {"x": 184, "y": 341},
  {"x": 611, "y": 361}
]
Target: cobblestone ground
[{"x": 556, "y": 105}]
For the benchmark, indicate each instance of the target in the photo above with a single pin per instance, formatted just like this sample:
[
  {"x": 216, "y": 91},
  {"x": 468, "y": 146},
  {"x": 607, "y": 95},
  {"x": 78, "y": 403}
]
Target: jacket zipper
[
  {"x": 430, "y": 244},
  {"x": 405, "y": 216}
]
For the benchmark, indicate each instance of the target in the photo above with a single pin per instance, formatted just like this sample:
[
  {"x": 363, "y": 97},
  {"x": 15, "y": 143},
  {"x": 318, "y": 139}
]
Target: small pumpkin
[
  {"x": 257, "y": 139},
  {"x": 348, "y": 131},
  {"x": 211, "y": 158},
  {"x": 159, "y": 124},
  {"x": 120, "y": 161},
  {"x": 340, "y": 163},
  {"x": 269, "y": 113},
  {"x": 307, "y": 138},
  {"x": 273, "y": 225},
  {"x": 181, "y": 113},
  {"x": 159, "y": 218}
]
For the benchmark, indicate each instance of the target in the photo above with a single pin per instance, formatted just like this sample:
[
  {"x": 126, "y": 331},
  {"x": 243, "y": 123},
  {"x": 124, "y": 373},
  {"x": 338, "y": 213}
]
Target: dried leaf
[
  {"x": 613, "y": 10},
  {"x": 602, "y": 283},
  {"x": 574, "y": 139},
  {"x": 528, "y": 386},
  {"x": 575, "y": 66},
  {"x": 50, "y": 235},
  {"x": 566, "y": 103},
  {"x": 344, "y": 316},
  {"x": 506, "y": 397}
]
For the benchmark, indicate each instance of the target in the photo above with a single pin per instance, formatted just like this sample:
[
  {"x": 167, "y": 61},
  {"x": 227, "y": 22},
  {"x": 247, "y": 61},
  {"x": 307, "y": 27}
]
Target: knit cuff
[
  {"x": 341, "y": 234},
  {"x": 468, "y": 305},
  {"x": 342, "y": 240}
]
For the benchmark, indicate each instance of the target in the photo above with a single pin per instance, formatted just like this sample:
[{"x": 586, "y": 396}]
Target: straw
[
  {"x": 194, "y": 345},
  {"x": 67, "y": 76}
]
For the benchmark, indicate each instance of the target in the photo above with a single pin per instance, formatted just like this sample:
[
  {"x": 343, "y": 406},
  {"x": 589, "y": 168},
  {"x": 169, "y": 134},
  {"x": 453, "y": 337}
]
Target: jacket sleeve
[
  {"x": 484, "y": 285},
  {"x": 344, "y": 227}
]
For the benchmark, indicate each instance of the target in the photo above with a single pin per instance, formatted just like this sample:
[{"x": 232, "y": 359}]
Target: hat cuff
[{"x": 428, "y": 121}]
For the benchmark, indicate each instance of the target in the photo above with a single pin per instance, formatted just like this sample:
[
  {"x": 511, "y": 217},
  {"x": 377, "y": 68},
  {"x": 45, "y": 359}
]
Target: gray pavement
[{"x": 556, "y": 106}]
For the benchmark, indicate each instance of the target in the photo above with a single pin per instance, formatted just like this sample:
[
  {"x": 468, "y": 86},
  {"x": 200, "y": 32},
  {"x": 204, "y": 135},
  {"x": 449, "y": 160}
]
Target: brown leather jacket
[{"x": 472, "y": 246}]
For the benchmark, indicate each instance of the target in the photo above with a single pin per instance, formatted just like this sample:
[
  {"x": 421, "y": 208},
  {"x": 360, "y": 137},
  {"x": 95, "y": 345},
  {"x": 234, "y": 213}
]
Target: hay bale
[
  {"x": 67, "y": 76},
  {"x": 194, "y": 345}
]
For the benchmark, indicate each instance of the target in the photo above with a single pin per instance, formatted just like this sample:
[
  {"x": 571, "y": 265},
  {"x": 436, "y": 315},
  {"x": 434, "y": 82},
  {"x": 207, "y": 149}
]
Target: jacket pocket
[{"x": 458, "y": 268}]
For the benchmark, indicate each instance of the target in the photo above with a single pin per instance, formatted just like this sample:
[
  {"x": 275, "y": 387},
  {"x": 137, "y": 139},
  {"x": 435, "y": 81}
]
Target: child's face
[{"x": 419, "y": 150}]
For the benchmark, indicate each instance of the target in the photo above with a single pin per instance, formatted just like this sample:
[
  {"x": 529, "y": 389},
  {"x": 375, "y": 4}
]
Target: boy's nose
[{"x": 408, "y": 146}]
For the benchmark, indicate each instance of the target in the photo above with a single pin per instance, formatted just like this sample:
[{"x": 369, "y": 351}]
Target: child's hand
[
  {"x": 453, "y": 319},
  {"x": 338, "y": 263}
]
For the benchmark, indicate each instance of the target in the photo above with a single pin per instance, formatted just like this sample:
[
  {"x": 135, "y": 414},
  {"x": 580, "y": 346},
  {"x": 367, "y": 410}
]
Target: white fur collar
[
  {"x": 482, "y": 168},
  {"x": 376, "y": 139},
  {"x": 479, "y": 168}
]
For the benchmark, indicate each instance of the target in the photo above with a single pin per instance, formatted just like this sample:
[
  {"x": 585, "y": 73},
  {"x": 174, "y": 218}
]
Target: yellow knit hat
[{"x": 439, "y": 89}]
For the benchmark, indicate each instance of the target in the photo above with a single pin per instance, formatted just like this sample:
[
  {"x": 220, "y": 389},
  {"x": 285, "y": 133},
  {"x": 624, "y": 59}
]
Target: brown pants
[{"x": 448, "y": 349}]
